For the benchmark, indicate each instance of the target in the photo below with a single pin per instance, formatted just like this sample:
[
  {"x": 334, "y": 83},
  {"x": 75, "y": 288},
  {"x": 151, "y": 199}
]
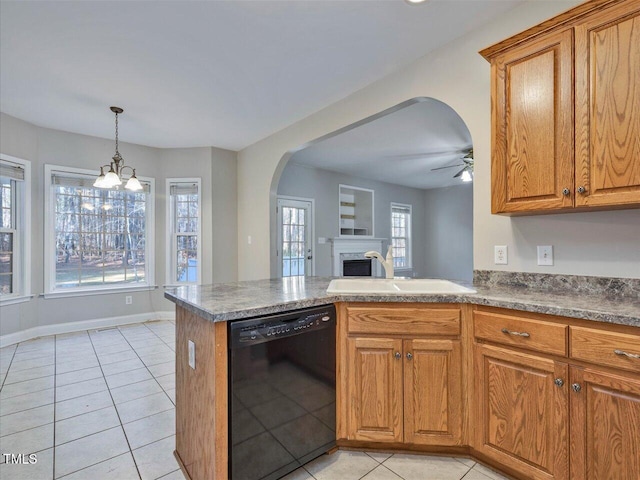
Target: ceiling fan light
[{"x": 466, "y": 176}]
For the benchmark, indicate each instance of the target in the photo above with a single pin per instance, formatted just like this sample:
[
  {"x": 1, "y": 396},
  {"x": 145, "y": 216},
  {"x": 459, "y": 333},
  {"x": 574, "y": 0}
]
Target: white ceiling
[
  {"x": 221, "y": 73},
  {"x": 399, "y": 146}
]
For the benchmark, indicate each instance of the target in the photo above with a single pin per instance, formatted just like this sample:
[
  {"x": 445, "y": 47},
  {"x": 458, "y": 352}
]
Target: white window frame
[
  {"x": 49, "y": 239},
  {"x": 408, "y": 238},
  {"x": 171, "y": 237},
  {"x": 22, "y": 240}
]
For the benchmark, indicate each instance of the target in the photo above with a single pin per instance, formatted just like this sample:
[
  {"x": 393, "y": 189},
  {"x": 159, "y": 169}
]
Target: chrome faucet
[{"x": 387, "y": 264}]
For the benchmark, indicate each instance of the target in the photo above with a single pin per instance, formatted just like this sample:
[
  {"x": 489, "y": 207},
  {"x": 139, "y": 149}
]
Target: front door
[{"x": 295, "y": 242}]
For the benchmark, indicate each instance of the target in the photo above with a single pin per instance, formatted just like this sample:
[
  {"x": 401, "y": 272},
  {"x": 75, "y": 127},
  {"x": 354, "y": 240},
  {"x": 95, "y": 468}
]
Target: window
[
  {"x": 15, "y": 239},
  {"x": 96, "y": 239},
  {"x": 401, "y": 235},
  {"x": 183, "y": 265},
  {"x": 295, "y": 225}
]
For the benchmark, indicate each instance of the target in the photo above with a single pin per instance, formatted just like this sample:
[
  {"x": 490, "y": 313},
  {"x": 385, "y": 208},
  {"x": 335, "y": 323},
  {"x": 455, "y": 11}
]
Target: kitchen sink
[{"x": 396, "y": 286}]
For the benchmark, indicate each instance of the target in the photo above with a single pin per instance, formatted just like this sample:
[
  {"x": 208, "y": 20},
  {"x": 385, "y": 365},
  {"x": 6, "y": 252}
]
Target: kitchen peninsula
[{"x": 569, "y": 354}]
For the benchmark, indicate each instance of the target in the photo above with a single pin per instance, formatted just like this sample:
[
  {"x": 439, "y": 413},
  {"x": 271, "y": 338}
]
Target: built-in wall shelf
[{"x": 356, "y": 211}]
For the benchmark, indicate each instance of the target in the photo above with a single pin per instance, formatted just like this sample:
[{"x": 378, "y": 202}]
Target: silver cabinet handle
[
  {"x": 622, "y": 353},
  {"x": 566, "y": 192},
  {"x": 409, "y": 355},
  {"x": 581, "y": 189},
  {"x": 518, "y": 334},
  {"x": 576, "y": 387},
  {"x": 398, "y": 355},
  {"x": 559, "y": 382}
]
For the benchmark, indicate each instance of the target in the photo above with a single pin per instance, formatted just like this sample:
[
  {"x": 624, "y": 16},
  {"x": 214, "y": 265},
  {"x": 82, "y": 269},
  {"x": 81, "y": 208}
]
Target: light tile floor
[{"x": 100, "y": 405}]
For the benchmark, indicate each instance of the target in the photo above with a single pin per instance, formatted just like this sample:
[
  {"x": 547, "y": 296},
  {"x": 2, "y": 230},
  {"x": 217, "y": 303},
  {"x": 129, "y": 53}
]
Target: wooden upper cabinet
[
  {"x": 532, "y": 161},
  {"x": 565, "y": 115},
  {"x": 608, "y": 107}
]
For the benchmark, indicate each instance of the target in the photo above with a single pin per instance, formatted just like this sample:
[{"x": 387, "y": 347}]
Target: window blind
[
  {"x": 184, "y": 189},
  {"x": 400, "y": 209},
  {"x": 87, "y": 182},
  {"x": 11, "y": 170}
]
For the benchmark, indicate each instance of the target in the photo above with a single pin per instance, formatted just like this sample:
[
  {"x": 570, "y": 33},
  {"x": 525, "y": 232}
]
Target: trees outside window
[
  {"x": 15, "y": 180},
  {"x": 183, "y": 262},
  {"x": 98, "y": 238},
  {"x": 401, "y": 235}
]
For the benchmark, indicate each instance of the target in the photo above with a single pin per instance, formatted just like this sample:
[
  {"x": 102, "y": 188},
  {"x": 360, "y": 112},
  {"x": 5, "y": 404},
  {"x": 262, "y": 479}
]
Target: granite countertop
[{"x": 237, "y": 300}]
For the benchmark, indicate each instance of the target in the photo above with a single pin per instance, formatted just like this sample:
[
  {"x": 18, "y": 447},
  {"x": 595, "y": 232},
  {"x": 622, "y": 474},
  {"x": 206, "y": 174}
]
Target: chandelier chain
[{"x": 117, "y": 153}]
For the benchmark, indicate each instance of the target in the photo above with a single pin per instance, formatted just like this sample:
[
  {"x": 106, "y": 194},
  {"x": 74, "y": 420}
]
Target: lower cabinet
[
  {"x": 375, "y": 387},
  {"x": 548, "y": 398},
  {"x": 401, "y": 388},
  {"x": 522, "y": 411},
  {"x": 432, "y": 392},
  {"x": 544, "y": 417},
  {"x": 605, "y": 423}
]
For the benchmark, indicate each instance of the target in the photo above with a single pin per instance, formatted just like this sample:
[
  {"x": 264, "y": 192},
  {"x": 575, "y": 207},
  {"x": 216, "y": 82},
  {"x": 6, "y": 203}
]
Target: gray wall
[
  {"x": 590, "y": 243},
  {"x": 322, "y": 185},
  {"x": 448, "y": 214},
  {"x": 216, "y": 167}
]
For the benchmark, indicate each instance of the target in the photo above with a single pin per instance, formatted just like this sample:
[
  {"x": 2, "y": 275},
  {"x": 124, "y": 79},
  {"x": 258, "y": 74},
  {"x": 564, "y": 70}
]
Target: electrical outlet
[
  {"x": 192, "y": 354},
  {"x": 128, "y": 300},
  {"x": 248, "y": 239},
  {"x": 545, "y": 255},
  {"x": 500, "y": 256}
]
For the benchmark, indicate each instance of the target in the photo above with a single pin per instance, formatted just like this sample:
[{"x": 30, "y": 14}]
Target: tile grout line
[
  {"x": 55, "y": 369},
  {"x": 147, "y": 367},
  {"x": 117, "y": 412}
]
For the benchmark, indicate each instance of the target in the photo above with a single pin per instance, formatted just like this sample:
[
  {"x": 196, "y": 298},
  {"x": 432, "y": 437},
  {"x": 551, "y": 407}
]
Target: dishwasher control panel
[{"x": 264, "y": 329}]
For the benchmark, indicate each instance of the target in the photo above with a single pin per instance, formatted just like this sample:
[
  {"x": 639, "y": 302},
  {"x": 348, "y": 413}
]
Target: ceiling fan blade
[
  {"x": 430, "y": 154},
  {"x": 450, "y": 166},
  {"x": 459, "y": 173}
]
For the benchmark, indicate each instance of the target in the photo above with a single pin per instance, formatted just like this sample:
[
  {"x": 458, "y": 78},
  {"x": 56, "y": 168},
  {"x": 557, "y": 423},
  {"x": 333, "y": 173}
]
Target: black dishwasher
[{"x": 282, "y": 392}]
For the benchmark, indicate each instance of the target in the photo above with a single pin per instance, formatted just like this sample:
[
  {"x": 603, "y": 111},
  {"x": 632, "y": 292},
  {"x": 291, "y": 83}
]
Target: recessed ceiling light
[{"x": 414, "y": 2}]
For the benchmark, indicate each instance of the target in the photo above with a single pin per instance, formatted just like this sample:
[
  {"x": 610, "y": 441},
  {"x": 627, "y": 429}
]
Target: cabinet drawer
[
  {"x": 404, "y": 320},
  {"x": 620, "y": 350},
  {"x": 545, "y": 337}
]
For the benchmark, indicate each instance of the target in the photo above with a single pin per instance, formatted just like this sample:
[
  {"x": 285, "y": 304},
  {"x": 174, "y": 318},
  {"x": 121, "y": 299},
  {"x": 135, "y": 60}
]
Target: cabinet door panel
[
  {"x": 375, "y": 389},
  {"x": 605, "y": 426},
  {"x": 433, "y": 392},
  {"x": 607, "y": 113},
  {"x": 522, "y": 413},
  {"x": 532, "y": 161}
]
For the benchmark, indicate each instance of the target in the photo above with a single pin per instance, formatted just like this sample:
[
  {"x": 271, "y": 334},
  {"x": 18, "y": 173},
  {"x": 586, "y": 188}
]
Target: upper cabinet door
[
  {"x": 532, "y": 116},
  {"x": 608, "y": 107}
]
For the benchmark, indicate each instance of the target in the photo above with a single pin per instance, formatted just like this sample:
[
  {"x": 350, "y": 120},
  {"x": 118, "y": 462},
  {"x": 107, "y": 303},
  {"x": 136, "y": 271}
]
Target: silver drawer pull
[
  {"x": 622, "y": 353},
  {"x": 518, "y": 334}
]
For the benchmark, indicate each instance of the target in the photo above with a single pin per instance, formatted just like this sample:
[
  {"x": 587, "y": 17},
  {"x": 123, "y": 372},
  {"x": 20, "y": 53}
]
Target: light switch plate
[
  {"x": 545, "y": 255},
  {"x": 500, "y": 255},
  {"x": 192, "y": 354}
]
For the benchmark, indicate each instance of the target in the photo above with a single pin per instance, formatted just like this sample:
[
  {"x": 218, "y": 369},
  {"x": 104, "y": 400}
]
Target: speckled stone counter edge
[{"x": 617, "y": 309}]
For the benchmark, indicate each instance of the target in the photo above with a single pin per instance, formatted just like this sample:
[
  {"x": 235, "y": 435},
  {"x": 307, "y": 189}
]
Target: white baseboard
[{"x": 68, "y": 327}]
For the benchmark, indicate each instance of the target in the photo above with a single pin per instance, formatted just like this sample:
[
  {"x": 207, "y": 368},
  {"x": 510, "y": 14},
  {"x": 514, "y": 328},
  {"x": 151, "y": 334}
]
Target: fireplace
[
  {"x": 356, "y": 268},
  {"x": 349, "y": 260}
]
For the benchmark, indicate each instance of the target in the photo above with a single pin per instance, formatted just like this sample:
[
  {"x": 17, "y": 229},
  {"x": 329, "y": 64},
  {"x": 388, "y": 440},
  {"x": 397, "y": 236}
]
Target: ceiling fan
[{"x": 466, "y": 173}]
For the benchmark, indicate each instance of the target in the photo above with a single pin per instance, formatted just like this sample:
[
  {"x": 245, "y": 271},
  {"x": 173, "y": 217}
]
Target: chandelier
[{"x": 114, "y": 178}]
